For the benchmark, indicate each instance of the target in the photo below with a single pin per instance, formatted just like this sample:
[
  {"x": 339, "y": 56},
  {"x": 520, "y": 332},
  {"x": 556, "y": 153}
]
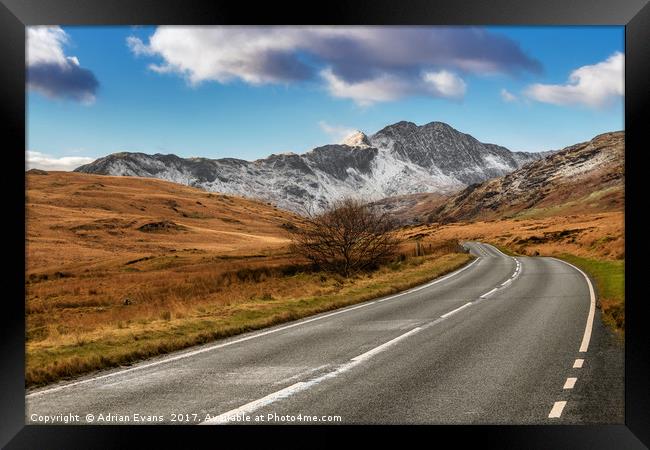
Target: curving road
[{"x": 502, "y": 340}]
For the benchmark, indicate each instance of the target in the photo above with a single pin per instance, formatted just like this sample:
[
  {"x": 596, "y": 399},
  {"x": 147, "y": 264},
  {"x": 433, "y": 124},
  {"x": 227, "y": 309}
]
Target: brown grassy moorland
[{"x": 194, "y": 266}]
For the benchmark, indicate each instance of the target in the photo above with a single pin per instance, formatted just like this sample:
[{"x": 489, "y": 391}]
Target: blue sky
[{"x": 250, "y": 92}]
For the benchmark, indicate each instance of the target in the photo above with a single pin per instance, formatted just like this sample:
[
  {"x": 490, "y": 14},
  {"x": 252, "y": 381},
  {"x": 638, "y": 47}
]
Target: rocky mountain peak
[
  {"x": 357, "y": 139},
  {"x": 400, "y": 159}
]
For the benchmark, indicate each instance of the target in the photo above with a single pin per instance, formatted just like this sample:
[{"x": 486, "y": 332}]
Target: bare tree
[{"x": 348, "y": 237}]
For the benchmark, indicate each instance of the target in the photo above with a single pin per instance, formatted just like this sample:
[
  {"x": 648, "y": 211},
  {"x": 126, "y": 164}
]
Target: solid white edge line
[
  {"x": 444, "y": 316},
  {"x": 570, "y": 383},
  {"x": 246, "y": 338},
  {"x": 255, "y": 404},
  {"x": 578, "y": 363},
  {"x": 385, "y": 345},
  {"x": 586, "y": 337},
  {"x": 556, "y": 411}
]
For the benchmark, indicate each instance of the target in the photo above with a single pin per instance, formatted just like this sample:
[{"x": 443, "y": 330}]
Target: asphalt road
[{"x": 496, "y": 342}]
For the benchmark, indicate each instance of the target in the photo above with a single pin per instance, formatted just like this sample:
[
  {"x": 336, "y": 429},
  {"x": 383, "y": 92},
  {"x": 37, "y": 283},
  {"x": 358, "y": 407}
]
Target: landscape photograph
[{"x": 324, "y": 225}]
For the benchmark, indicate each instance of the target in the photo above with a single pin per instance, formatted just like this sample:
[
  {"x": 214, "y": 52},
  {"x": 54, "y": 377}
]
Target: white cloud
[
  {"x": 222, "y": 54},
  {"x": 45, "y": 45},
  {"x": 38, "y": 160},
  {"x": 595, "y": 86},
  {"x": 53, "y": 74},
  {"x": 508, "y": 96},
  {"x": 383, "y": 88},
  {"x": 366, "y": 64},
  {"x": 137, "y": 46},
  {"x": 388, "y": 87},
  {"x": 445, "y": 84},
  {"x": 337, "y": 133}
]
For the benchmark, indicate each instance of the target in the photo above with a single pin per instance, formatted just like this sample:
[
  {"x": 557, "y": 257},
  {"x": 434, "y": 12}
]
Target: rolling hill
[{"x": 77, "y": 220}]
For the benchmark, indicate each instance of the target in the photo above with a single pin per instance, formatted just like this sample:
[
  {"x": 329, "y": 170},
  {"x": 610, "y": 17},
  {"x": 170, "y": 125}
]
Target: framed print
[{"x": 374, "y": 217}]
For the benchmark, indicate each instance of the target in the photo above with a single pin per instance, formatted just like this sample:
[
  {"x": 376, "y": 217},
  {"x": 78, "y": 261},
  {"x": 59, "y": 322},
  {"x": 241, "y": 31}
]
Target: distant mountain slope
[
  {"x": 585, "y": 177},
  {"x": 75, "y": 219},
  {"x": 411, "y": 209},
  {"x": 402, "y": 158}
]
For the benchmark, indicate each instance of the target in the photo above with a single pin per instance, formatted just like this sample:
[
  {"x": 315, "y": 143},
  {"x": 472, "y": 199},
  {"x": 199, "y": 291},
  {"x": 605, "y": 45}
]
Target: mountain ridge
[
  {"x": 584, "y": 177},
  {"x": 402, "y": 158}
]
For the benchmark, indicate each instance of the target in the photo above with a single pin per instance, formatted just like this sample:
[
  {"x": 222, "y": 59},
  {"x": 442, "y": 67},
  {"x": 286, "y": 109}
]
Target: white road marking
[
  {"x": 384, "y": 346},
  {"x": 302, "y": 374},
  {"x": 297, "y": 387},
  {"x": 514, "y": 276},
  {"x": 578, "y": 363},
  {"x": 254, "y": 405},
  {"x": 489, "y": 292},
  {"x": 303, "y": 385},
  {"x": 191, "y": 353},
  {"x": 436, "y": 281},
  {"x": 444, "y": 316},
  {"x": 237, "y": 341},
  {"x": 584, "y": 346},
  {"x": 432, "y": 323},
  {"x": 570, "y": 383},
  {"x": 556, "y": 411}
]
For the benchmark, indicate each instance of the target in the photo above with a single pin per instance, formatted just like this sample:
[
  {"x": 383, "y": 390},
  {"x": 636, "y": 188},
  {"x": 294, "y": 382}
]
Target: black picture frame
[{"x": 16, "y": 14}]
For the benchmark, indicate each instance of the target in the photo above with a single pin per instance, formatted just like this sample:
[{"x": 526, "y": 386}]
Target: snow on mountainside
[
  {"x": 585, "y": 177},
  {"x": 402, "y": 158},
  {"x": 357, "y": 139}
]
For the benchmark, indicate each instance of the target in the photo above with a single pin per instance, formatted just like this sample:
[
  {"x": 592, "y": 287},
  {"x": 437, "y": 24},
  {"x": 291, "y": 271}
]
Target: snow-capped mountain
[{"x": 402, "y": 158}]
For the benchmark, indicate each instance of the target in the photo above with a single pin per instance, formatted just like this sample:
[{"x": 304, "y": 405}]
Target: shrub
[{"x": 348, "y": 237}]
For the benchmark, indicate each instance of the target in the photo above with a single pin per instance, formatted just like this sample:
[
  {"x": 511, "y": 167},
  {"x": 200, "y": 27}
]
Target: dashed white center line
[
  {"x": 578, "y": 363},
  {"x": 488, "y": 293},
  {"x": 226, "y": 417},
  {"x": 254, "y": 405},
  {"x": 384, "y": 346},
  {"x": 507, "y": 282},
  {"x": 570, "y": 383},
  {"x": 556, "y": 411},
  {"x": 444, "y": 316}
]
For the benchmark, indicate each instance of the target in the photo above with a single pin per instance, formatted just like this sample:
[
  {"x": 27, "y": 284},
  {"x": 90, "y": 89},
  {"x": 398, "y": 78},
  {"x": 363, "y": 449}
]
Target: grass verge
[
  {"x": 609, "y": 276},
  {"x": 135, "y": 341}
]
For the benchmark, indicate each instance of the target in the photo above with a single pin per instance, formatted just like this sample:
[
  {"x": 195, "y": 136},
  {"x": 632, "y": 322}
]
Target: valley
[{"x": 121, "y": 268}]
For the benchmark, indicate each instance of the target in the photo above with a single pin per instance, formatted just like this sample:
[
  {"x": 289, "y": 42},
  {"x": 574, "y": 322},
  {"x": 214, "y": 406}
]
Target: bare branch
[{"x": 348, "y": 237}]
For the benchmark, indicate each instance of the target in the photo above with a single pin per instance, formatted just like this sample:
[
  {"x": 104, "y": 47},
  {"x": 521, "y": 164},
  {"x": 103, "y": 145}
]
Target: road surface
[{"x": 502, "y": 340}]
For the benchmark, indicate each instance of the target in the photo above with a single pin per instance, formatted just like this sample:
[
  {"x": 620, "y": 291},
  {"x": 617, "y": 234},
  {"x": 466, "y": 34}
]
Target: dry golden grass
[
  {"x": 218, "y": 268},
  {"x": 180, "y": 309},
  {"x": 593, "y": 235},
  {"x": 79, "y": 221}
]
